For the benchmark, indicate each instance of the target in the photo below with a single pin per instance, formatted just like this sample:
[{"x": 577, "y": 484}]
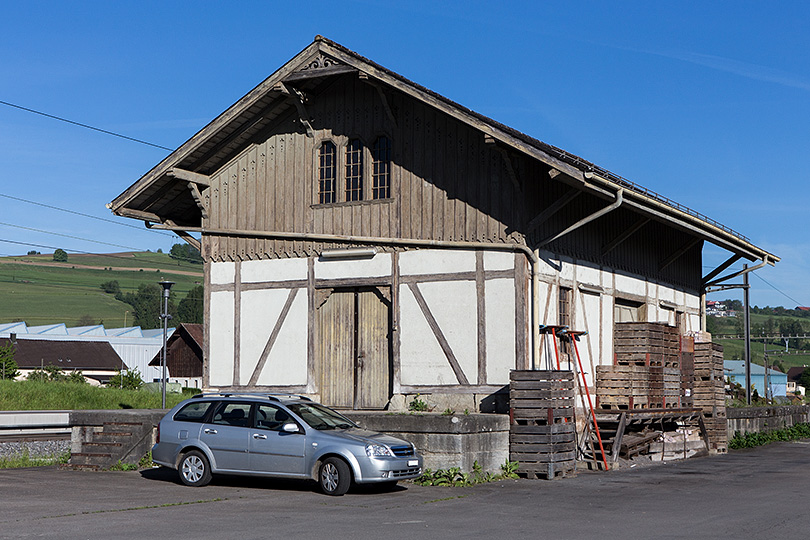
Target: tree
[
  {"x": 804, "y": 379},
  {"x": 86, "y": 320},
  {"x": 190, "y": 308},
  {"x": 110, "y": 287},
  {"x": 34, "y": 252},
  {"x": 185, "y": 252},
  {"x": 147, "y": 304},
  {"x": 8, "y": 367},
  {"x": 60, "y": 255}
]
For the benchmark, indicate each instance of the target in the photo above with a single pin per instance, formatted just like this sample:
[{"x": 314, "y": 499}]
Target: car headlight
[{"x": 378, "y": 450}]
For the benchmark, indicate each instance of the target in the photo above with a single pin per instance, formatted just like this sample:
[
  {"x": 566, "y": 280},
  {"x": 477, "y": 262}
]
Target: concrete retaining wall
[
  {"x": 758, "y": 419},
  {"x": 447, "y": 440}
]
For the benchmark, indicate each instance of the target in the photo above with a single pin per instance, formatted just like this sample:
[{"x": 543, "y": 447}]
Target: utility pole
[{"x": 747, "y": 324}]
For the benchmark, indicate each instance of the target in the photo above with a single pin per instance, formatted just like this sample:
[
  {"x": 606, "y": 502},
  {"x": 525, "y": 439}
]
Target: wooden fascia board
[
  {"x": 214, "y": 126},
  {"x": 748, "y": 251}
]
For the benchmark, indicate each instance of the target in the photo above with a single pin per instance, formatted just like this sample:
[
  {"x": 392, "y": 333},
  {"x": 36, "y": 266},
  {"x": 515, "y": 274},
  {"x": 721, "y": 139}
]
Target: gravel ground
[{"x": 35, "y": 448}]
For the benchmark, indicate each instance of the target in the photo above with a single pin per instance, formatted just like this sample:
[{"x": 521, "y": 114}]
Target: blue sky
[{"x": 707, "y": 103}]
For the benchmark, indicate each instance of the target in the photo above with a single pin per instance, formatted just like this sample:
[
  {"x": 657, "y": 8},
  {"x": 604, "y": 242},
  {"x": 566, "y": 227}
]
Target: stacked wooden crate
[
  {"x": 709, "y": 395},
  {"x": 687, "y": 370},
  {"x": 665, "y": 387},
  {"x": 622, "y": 387},
  {"x": 542, "y": 435},
  {"x": 646, "y": 344},
  {"x": 646, "y": 371}
]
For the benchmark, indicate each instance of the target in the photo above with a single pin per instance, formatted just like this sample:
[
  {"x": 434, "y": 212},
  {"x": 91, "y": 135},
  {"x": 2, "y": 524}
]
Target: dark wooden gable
[{"x": 248, "y": 180}]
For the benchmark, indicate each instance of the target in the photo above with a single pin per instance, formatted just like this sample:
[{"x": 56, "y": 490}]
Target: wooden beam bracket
[
  {"x": 195, "y": 192},
  {"x": 300, "y": 100},
  {"x": 383, "y": 98},
  {"x": 507, "y": 160}
]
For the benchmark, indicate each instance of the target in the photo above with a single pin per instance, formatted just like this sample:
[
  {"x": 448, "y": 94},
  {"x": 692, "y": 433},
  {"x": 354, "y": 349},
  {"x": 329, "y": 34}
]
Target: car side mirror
[{"x": 290, "y": 427}]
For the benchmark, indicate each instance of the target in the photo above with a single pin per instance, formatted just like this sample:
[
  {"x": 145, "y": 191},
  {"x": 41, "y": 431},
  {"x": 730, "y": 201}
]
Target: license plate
[{"x": 413, "y": 463}]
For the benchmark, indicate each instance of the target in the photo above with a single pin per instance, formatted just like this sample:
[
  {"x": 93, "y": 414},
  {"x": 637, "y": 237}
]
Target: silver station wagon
[{"x": 278, "y": 435}]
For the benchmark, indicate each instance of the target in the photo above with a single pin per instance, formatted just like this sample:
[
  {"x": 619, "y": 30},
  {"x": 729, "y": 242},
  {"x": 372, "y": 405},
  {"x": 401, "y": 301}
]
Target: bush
[
  {"x": 60, "y": 255},
  {"x": 51, "y": 373},
  {"x": 129, "y": 379}
]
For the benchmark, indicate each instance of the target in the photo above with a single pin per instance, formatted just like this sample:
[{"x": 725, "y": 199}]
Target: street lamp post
[{"x": 167, "y": 285}]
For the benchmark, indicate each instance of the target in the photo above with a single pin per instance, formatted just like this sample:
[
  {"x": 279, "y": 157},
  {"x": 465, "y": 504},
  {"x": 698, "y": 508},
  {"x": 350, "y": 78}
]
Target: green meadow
[{"x": 34, "y": 291}]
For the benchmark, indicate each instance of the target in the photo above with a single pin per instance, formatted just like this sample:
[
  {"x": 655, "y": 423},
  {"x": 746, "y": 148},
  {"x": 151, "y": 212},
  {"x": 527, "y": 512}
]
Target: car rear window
[{"x": 193, "y": 412}]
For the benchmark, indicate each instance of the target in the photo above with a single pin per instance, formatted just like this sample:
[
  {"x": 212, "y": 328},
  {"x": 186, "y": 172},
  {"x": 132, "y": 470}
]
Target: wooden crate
[{"x": 542, "y": 435}]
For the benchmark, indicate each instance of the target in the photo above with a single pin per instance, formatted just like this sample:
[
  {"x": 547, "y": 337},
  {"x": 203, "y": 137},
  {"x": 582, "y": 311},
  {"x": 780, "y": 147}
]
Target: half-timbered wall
[
  {"x": 458, "y": 320},
  {"x": 447, "y": 183}
]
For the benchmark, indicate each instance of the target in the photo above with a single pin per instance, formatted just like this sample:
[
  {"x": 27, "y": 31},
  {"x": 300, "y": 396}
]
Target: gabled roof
[
  {"x": 68, "y": 355},
  {"x": 191, "y": 333},
  {"x": 166, "y": 194}
]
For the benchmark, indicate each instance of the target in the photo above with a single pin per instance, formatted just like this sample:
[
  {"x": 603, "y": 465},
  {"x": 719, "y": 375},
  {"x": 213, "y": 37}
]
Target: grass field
[
  {"x": 733, "y": 349},
  {"x": 33, "y": 291},
  {"x": 36, "y": 396}
]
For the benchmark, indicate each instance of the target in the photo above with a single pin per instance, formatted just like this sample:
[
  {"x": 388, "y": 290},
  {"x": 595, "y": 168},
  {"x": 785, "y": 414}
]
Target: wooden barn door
[{"x": 354, "y": 349}]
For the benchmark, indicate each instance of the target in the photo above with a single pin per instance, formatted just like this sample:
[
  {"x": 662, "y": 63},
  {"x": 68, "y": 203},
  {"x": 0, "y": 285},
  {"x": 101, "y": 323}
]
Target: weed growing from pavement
[
  {"x": 751, "y": 440},
  {"x": 144, "y": 463},
  {"x": 454, "y": 477}
]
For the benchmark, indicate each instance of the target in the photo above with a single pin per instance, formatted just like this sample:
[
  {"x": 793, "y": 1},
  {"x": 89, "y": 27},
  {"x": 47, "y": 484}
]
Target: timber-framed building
[{"x": 366, "y": 239}]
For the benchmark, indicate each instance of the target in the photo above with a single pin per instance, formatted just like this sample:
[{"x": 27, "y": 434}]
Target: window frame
[{"x": 367, "y": 176}]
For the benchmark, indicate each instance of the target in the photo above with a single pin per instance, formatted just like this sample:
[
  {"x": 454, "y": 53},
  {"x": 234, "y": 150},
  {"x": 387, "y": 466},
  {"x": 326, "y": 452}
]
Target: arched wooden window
[
  {"x": 327, "y": 170},
  {"x": 381, "y": 170},
  {"x": 354, "y": 170}
]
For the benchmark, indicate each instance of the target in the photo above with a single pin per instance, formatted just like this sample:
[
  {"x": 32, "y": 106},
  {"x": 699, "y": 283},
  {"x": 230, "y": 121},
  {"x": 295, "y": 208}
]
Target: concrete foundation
[{"x": 446, "y": 441}]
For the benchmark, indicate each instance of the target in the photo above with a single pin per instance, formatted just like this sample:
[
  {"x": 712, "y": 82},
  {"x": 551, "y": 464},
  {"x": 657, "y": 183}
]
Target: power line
[
  {"x": 109, "y": 255},
  {"x": 84, "y": 125},
  {"x": 84, "y": 215},
  {"x": 68, "y": 236},
  {"x": 779, "y": 291}
]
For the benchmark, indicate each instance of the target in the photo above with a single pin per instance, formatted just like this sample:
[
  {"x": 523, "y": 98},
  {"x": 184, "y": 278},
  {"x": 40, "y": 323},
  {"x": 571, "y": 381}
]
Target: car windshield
[{"x": 319, "y": 417}]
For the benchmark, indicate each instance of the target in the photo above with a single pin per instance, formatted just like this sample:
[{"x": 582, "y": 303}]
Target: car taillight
[{"x": 157, "y": 437}]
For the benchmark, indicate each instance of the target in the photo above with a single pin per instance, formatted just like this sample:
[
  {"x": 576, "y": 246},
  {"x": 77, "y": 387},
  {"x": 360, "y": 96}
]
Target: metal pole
[
  {"x": 747, "y": 324},
  {"x": 167, "y": 285}
]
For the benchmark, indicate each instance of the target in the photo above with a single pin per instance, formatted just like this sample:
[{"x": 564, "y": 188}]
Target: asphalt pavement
[{"x": 750, "y": 494}]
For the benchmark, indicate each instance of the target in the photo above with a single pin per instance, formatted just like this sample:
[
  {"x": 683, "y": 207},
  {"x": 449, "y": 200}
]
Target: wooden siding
[{"x": 447, "y": 183}]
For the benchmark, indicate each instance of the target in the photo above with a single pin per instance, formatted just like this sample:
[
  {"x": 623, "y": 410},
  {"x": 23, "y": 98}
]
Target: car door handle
[
  {"x": 210, "y": 431},
  {"x": 259, "y": 436}
]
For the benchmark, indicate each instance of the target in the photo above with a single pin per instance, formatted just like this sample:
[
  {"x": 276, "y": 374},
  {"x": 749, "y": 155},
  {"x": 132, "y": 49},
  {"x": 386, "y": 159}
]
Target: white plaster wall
[
  {"x": 588, "y": 318},
  {"x": 436, "y": 261},
  {"x": 287, "y": 364},
  {"x": 220, "y": 360},
  {"x": 222, "y": 273},
  {"x": 422, "y": 361},
  {"x": 630, "y": 285},
  {"x": 589, "y": 276},
  {"x": 499, "y": 260},
  {"x": 379, "y": 265},
  {"x": 454, "y": 306},
  {"x": 499, "y": 304},
  {"x": 260, "y": 313},
  {"x": 274, "y": 270}
]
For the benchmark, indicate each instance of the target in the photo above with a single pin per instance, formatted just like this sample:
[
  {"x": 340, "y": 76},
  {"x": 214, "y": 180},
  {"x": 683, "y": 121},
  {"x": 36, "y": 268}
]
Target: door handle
[
  {"x": 210, "y": 431},
  {"x": 259, "y": 436}
]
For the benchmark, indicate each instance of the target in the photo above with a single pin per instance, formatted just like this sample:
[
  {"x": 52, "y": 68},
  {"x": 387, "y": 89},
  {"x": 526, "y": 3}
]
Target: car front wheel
[
  {"x": 194, "y": 469},
  {"x": 334, "y": 476}
]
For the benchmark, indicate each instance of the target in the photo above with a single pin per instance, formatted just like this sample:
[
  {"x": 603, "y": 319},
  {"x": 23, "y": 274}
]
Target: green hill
[{"x": 39, "y": 291}]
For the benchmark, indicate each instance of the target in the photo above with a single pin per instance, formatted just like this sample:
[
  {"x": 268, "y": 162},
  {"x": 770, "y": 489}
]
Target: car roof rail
[{"x": 269, "y": 395}]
